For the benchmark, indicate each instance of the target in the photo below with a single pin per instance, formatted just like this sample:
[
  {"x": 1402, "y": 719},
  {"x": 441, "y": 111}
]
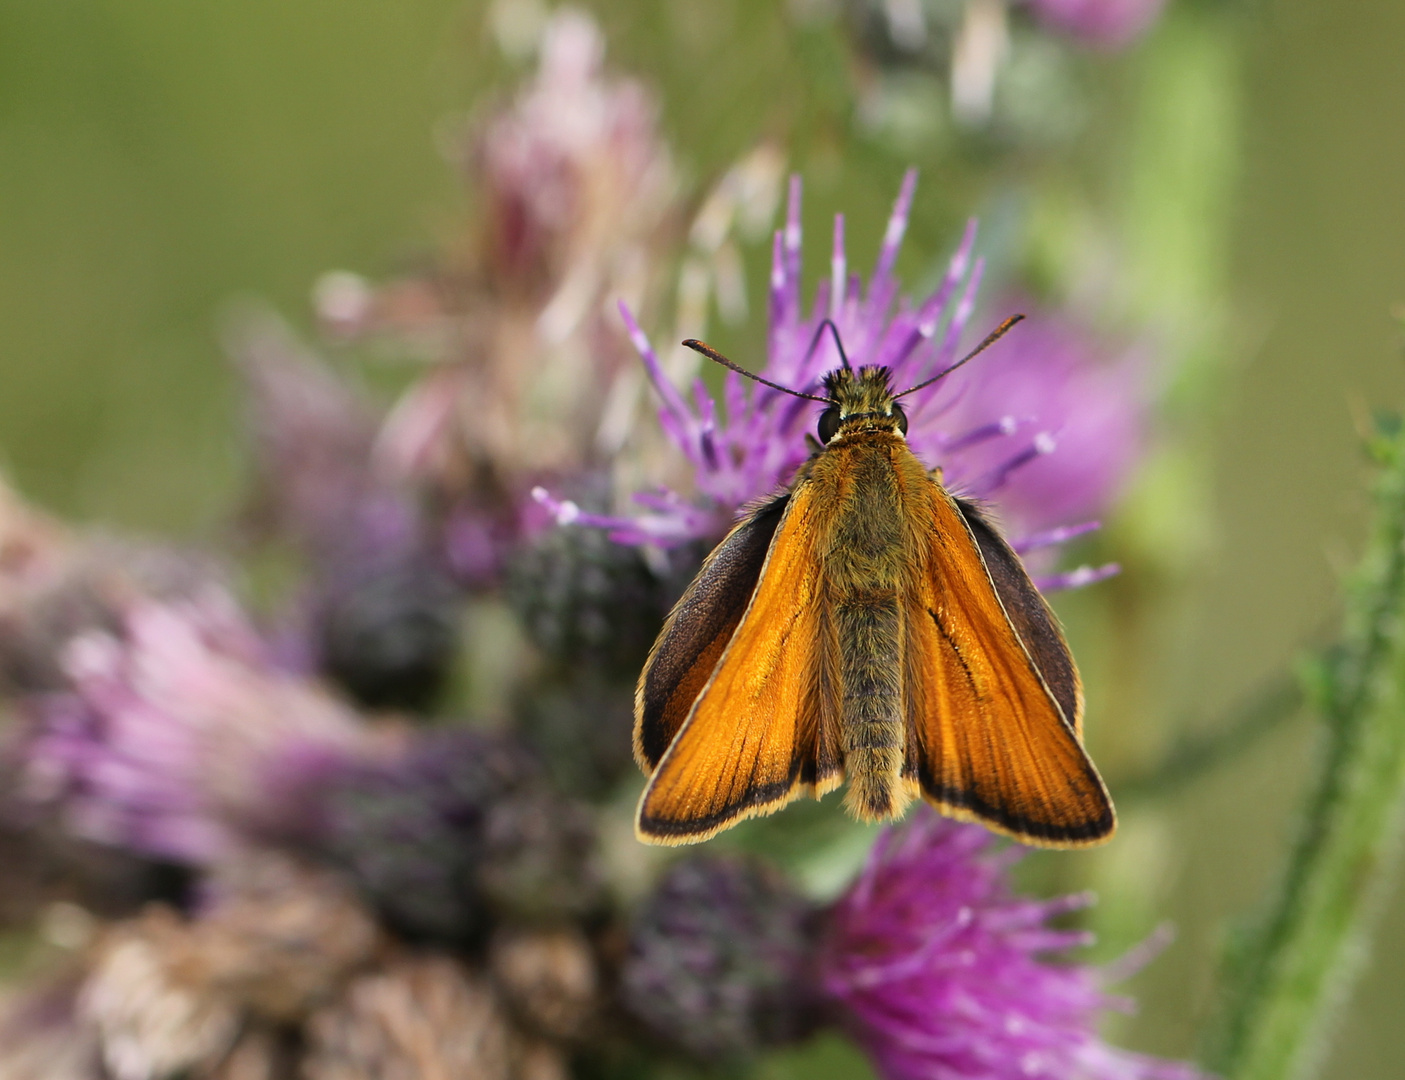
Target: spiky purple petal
[
  {"x": 942, "y": 973},
  {"x": 1038, "y": 426}
]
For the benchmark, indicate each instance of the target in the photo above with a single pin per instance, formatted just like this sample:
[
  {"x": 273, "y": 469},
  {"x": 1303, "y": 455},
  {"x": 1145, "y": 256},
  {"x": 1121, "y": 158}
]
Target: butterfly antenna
[
  {"x": 712, "y": 354},
  {"x": 990, "y": 339},
  {"x": 819, "y": 331}
]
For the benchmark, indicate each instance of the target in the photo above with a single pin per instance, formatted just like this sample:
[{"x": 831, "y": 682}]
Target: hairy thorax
[{"x": 873, "y": 485}]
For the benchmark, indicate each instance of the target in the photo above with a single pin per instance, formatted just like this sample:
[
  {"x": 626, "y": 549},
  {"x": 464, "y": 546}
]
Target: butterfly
[{"x": 865, "y": 625}]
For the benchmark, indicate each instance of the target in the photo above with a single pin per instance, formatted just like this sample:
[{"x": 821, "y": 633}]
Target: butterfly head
[{"x": 861, "y": 400}]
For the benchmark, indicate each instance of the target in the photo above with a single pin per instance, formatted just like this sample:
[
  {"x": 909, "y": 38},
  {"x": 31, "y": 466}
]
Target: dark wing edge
[
  {"x": 1029, "y": 613},
  {"x": 697, "y": 631},
  {"x": 965, "y": 806},
  {"x": 762, "y": 730},
  {"x": 990, "y": 742}
]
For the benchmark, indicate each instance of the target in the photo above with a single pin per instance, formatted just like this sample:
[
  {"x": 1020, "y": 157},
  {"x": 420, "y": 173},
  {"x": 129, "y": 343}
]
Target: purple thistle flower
[
  {"x": 938, "y": 969},
  {"x": 1031, "y": 426},
  {"x": 1047, "y": 376},
  {"x": 313, "y": 437},
  {"x": 1107, "y": 24},
  {"x": 379, "y": 613},
  {"x": 178, "y": 738}
]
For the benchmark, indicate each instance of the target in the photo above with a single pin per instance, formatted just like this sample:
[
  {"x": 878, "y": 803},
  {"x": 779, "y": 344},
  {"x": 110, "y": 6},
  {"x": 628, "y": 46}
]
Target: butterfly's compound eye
[
  {"x": 901, "y": 418},
  {"x": 829, "y": 424}
]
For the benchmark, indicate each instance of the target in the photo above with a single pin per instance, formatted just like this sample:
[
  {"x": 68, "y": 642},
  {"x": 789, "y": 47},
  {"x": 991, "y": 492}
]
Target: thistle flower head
[
  {"x": 312, "y": 436},
  {"x": 576, "y": 196},
  {"x": 55, "y": 583},
  {"x": 719, "y": 960},
  {"x": 940, "y": 971},
  {"x": 387, "y": 633},
  {"x": 587, "y": 600},
  {"x": 153, "y": 1001},
  {"x": 572, "y": 173},
  {"x": 1088, "y": 408},
  {"x": 380, "y": 616},
  {"x": 577, "y": 204},
  {"x": 169, "y": 995},
  {"x": 548, "y": 977},
  {"x": 457, "y": 827},
  {"x": 756, "y": 438},
  {"x": 419, "y": 1016},
  {"x": 177, "y": 737},
  {"x": 279, "y": 935}
]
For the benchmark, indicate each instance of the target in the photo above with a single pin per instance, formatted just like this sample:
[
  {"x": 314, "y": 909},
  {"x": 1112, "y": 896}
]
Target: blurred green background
[{"x": 161, "y": 157}]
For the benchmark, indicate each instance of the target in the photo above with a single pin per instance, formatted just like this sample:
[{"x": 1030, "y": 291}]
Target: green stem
[
  {"x": 1285, "y": 977},
  {"x": 1278, "y": 700}
]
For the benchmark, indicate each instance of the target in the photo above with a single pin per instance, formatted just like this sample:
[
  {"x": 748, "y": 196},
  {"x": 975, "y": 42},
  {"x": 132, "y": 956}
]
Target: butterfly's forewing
[
  {"x": 697, "y": 631},
  {"x": 1032, "y": 619},
  {"x": 764, "y": 727},
  {"x": 987, "y": 736}
]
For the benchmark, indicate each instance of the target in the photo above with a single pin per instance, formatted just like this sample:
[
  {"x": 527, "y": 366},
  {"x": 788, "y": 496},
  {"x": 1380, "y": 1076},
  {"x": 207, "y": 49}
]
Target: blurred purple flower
[
  {"x": 178, "y": 737},
  {"x": 985, "y": 426},
  {"x": 380, "y": 612},
  {"x": 1047, "y": 375},
  {"x": 313, "y": 438},
  {"x": 939, "y": 970},
  {"x": 1106, "y": 23},
  {"x": 577, "y": 204},
  {"x": 523, "y": 379},
  {"x": 572, "y": 173}
]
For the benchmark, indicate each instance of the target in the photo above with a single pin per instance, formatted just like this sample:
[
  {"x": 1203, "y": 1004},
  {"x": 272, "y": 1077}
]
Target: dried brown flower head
[
  {"x": 548, "y": 977},
  {"x": 421, "y": 1018}
]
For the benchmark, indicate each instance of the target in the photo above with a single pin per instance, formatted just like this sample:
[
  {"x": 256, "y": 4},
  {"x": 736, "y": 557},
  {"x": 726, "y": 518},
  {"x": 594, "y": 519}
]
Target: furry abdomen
[{"x": 864, "y": 568}]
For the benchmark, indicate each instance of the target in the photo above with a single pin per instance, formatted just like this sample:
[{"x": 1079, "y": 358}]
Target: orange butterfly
[{"x": 865, "y": 624}]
